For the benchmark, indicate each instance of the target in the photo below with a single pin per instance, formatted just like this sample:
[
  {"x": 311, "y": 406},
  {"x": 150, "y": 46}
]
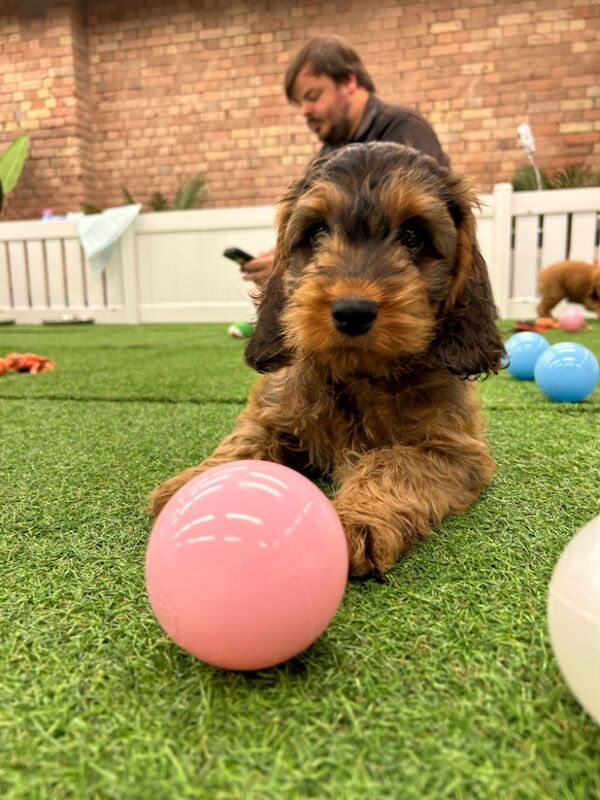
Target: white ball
[{"x": 574, "y": 616}]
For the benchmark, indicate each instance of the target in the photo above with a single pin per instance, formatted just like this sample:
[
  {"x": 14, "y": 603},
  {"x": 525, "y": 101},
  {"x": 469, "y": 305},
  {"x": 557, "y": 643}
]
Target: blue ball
[
  {"x": 567, "y": 372},
  {"x": 523, "y": 351}
]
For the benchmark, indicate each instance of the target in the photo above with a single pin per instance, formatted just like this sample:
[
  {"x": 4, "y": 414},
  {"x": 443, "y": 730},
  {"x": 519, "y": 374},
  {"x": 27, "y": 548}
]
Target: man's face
[{"x": 325, "y": 104}]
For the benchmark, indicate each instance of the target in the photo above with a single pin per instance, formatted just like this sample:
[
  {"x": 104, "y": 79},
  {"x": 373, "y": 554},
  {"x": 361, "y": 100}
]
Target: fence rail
[{"x": 169, "y": 267}]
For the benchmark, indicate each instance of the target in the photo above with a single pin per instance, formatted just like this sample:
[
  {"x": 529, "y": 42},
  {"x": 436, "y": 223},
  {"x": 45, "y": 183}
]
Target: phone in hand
[{"x": 239, "y": 256}]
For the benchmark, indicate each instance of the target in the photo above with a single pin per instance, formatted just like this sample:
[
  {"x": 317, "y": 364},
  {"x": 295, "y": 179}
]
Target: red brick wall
[
  {"x": 40, "y": 95},
  {"x": 148, "y": 92}
]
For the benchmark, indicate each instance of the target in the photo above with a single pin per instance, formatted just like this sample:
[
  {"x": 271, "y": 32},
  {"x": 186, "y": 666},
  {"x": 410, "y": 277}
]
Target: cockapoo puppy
[
  {"x": 377, "y": 314},
  {"x": 575, "y": 281}
]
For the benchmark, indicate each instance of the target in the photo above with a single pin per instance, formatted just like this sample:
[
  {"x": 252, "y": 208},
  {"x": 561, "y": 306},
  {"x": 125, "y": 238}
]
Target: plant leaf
[
  {"x": 158, "y": 202},
  {"x": 127, "y": 195},
  {"x": 574, "y": 176},
  {"x": 524, "y": 179},
  {"x": 191, "y": 195},
  {"x": 12, "y": 161}
]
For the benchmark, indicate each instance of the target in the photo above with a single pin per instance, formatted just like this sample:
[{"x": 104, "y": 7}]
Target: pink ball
[
  {"x": 246, "y": 565},
  {"x": 571, "y": 320}
]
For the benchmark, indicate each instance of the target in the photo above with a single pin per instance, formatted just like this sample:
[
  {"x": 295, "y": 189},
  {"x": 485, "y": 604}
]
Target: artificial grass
[{"x": 438, "y": 682}]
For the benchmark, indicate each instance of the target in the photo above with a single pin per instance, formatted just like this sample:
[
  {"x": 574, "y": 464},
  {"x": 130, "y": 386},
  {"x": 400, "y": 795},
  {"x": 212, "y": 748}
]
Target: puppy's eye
[
  {"x": 412, "y": 236},
  {"x": 314, "y": 232}
]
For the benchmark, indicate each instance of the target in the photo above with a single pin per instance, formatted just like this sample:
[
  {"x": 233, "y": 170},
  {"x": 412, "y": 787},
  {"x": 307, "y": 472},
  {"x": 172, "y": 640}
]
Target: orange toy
[
  {"x": 541, "y": 325},
  {"x": 546, "y": 323},
  {"x": 26, "y": 362}
]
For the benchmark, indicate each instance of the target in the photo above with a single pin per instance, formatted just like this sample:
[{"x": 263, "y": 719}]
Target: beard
[{"x": 339, "y": 131}]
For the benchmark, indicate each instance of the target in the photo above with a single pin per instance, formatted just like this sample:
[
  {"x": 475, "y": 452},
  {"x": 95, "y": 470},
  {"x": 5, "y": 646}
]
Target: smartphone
[{"x": 239, "y": 256}]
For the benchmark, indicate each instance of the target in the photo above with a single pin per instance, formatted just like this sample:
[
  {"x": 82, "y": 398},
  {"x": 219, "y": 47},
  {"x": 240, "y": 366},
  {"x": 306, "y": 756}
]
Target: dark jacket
[{"x": 382, "y": 122}]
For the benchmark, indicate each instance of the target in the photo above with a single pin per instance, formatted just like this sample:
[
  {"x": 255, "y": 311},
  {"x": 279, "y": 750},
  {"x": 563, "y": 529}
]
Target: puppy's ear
[
  {"x": 266, "y": 350},
  {"x": 468, "y": 341}
]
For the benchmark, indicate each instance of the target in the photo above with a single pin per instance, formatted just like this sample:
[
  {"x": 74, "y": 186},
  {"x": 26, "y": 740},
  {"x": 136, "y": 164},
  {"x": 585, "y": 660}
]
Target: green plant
[
  {"x": 158, "y": 202},
  {"x": 573, "y": 176},
  {"x": 90, "y": 208},
  {"x": 12, "y": 161},
  {"x": 191, "y": 195},
  {"x": 128, "y": 196},
  {"x": 524, "y": 179}
]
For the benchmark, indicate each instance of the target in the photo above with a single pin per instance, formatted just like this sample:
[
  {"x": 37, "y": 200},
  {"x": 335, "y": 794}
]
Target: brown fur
[
  {"x": 575, "y": 281},
  {"x": 385, "y": 413}
]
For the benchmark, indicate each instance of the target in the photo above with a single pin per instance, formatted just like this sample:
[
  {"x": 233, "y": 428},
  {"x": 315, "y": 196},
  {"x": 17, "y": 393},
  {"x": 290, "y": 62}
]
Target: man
[{"x": 330, "y": 85}]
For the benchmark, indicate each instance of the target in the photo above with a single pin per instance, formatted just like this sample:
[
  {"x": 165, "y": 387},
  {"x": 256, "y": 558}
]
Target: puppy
[
  {"x": 377, "y": 312},
  {"x": 575, "y": 281}
]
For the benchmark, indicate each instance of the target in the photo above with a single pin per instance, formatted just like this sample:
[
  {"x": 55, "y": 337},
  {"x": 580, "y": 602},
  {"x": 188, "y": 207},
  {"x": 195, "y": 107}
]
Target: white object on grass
[{"x": 574, "y": 616}]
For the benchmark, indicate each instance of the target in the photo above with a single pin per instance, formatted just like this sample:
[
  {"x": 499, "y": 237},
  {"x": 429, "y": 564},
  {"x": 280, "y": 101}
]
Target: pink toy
[
  {"x": 246, "y": 565},
  {"x": 571, "y": 320}
]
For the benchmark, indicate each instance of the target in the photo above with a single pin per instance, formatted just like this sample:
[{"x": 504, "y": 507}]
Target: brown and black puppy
[
  {"x": 377, "y": 312},
  {"x": 575, "y": 281}
]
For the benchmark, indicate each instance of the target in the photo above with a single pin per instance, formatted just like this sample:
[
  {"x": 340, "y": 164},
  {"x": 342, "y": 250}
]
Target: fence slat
[
  {"x": 485, "y": 234},
  {"x": 499, "y": 263},
  {"x": 37, "y": 274},
  {"x": 583, "y": 236},
  {"x": 5, "y": 293},
  {"x": 76, "y": 297},
  {"x": 54, "y": 267},
  {"x": 18, "y": 272},
  {"x": 554, "y": 241},
  {"x": 525, "y": 257},
  {"x": 95, "y": 287}
]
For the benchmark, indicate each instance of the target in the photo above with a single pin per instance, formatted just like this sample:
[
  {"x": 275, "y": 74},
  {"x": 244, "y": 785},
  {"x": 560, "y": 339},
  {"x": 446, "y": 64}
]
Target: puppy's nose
[{"x": 353, "y": 316}]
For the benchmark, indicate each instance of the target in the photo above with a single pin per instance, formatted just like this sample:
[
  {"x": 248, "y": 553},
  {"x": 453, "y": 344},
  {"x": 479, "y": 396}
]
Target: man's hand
[{"x": 258, "y": 269}]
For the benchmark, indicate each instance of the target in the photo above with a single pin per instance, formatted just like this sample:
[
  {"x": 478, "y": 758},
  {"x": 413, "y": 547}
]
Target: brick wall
[
  {"x": 40, "y": 95},
  {"x": 148, "y": 92}
]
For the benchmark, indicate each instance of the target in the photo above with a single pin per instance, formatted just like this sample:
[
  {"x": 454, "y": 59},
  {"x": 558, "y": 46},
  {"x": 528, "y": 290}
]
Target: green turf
[{"x": 436, "y": 683}]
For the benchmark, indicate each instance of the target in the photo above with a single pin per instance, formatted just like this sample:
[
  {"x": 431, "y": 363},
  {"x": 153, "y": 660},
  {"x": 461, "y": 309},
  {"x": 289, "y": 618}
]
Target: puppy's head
[{"x": 377, "y": 263}]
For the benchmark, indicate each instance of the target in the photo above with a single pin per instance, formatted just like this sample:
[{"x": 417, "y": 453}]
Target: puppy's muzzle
[{"x": 353, "y": 316}]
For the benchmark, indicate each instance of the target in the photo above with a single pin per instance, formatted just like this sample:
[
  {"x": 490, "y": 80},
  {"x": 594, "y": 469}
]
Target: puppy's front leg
[
  {"x": 391, "y": 496},
  {"x": 592, "y": 304},
  {"x": 251, "y": 439}
]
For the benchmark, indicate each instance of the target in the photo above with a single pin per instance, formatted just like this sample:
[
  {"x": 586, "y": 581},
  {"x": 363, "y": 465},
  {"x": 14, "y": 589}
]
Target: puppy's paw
[{"x": 374, "y": 546}]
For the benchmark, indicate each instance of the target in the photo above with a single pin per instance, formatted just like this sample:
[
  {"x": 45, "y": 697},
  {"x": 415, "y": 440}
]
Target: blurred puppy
[
  {"x": 378, "y": 310},
  {"x": 575, "y": 281}
]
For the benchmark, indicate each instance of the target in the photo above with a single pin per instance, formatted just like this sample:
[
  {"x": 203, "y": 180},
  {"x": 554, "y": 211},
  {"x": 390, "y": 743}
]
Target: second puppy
[{"x": 575, "y": 281}]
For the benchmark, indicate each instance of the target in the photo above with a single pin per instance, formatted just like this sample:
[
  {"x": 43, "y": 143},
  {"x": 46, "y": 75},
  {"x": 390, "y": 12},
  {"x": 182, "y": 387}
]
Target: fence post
[
  {"x": 501, "y": 246},
  {"x": 131, "y": 299}
]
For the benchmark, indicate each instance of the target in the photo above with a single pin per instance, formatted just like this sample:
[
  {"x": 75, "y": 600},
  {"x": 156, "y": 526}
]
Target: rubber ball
[
  {"x": 574, "y": 616},
  {"x": 567, "y": 372},
  {"x": 246, "y": 565},
  {"x": 523, "y": 350},
  {"x": 571, "y": 320}
]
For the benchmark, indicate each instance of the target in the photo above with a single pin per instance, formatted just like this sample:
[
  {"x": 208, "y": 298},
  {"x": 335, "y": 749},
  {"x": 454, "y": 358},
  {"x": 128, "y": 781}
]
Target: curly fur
[
  {"x": 575, "y": 281},
  {"x": 378, "y": 403}
]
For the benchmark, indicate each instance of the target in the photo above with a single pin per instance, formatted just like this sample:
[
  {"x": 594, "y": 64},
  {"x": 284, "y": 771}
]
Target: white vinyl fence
[
  {"x": 168, "y": 267},
  {"x": 519, "y": 233}
]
